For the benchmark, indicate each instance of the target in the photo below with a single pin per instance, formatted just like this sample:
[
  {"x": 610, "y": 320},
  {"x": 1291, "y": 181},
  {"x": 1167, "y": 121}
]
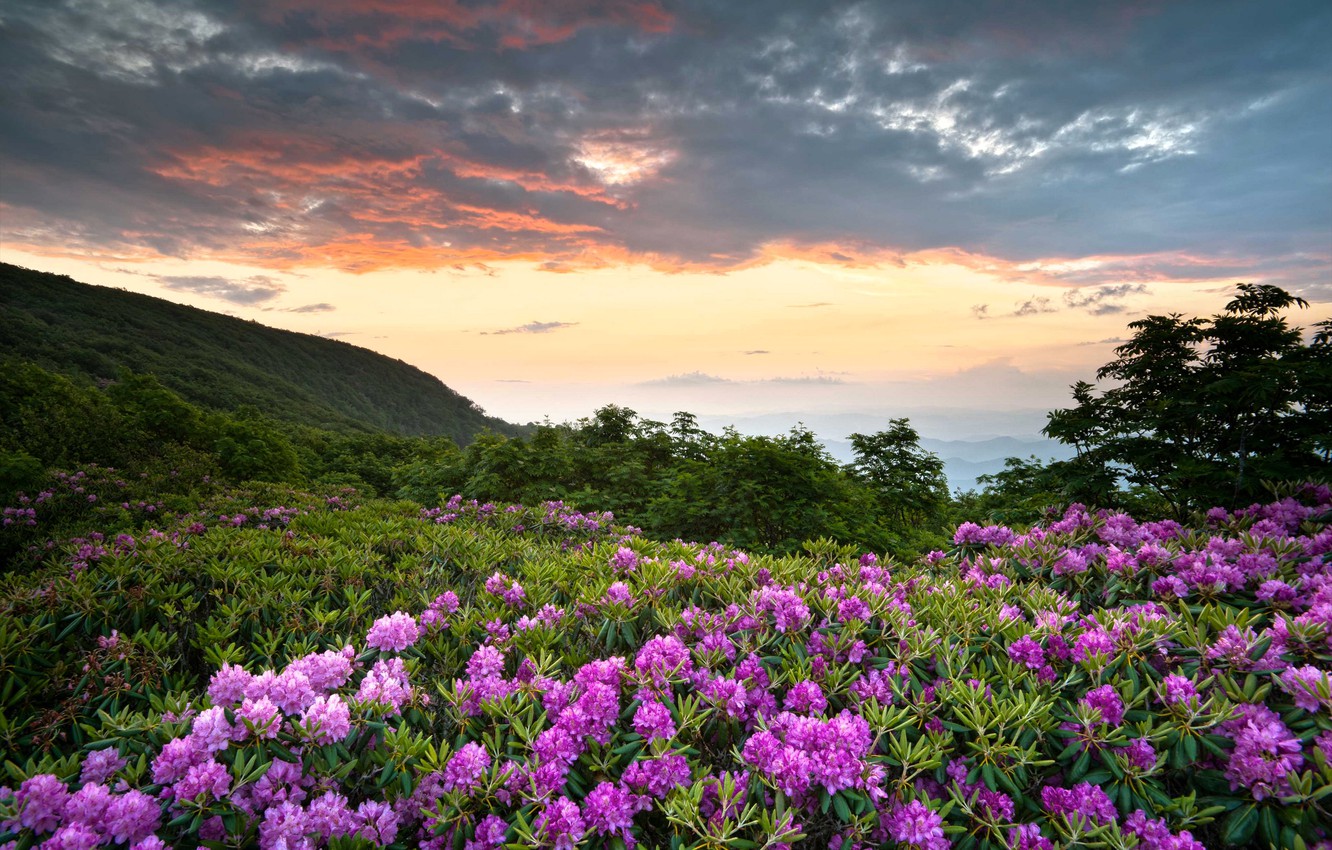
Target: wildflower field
[{"x": 274, "y": 669}]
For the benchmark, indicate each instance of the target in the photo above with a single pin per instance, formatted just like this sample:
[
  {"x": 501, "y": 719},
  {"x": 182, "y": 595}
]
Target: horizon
[{"x": 942, "y": 212}]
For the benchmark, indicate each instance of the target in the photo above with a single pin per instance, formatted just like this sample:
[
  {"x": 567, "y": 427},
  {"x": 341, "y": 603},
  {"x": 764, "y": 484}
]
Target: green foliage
[
  {"x": 769, "y": 494},
  {"x": 1203, "y": 411},
  {"x": 221, "y": 363},
  {"x": 907, "y": 481}
]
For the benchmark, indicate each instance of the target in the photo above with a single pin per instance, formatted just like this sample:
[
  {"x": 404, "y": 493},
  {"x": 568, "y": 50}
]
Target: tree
[
  {"x": 1202, "y": 411},
  {"x": 908, "y": 481}
]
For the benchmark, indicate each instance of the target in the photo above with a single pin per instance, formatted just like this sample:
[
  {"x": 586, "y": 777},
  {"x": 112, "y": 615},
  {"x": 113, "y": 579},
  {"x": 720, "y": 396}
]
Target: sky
[{"x": 789, "y": 210}]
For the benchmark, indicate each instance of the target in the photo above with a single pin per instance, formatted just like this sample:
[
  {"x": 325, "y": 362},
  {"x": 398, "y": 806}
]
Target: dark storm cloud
[{"x": 1179, "y": 139}]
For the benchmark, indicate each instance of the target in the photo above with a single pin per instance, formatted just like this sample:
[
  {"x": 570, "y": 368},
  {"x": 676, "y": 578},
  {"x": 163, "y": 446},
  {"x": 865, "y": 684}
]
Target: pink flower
[
  {"x": 393, "y": 633},
  {"x": 327, "y": 720}
]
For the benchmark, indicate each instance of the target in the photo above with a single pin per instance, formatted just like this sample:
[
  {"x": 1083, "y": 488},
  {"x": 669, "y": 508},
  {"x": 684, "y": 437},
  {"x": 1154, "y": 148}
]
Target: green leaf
[
  {"x": 1240, "y": 826},
  {"x": 842, "y": 809}
]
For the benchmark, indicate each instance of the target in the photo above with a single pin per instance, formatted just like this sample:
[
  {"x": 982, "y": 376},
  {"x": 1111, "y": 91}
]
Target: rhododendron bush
[{"x": 325, "y": 674}]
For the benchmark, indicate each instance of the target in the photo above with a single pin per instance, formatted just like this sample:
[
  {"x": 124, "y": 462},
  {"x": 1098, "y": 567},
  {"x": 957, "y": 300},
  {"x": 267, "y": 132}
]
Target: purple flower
[
  {"x": 609, "y": 809},
  {"x": 1170, "y": 586},
  {"x": 291, "y": 690},
  {"x": 393, "y": 633},
  {"x": 663, "y": 658},
  {"x": 177, "y": 756},
  {"x": 262, "y": 715},
  {"x": 1178, "y": 690},
  {"x": 1085, "y": 802},
  {"x": 1265, "y": 753},
  {"x": 788, "y": 608},
  {"x": 625, "y": 560},
  {"x": 284, "y": 828},
  {"x": 1027, "y": 651},
  {"x": 657, "y": 776},
  {"x": 88, "y": 805},
  {"x": 1308, "y": 685},
  {"x": 325, "y": 670},
  {"x": 490, "y": 833},
  {"x": 1156, "y": 835},
  {"x": 1093, "y": 645},
  {"x": 560, "y": 825},
  {"x": 992, "y": 535},
  {"x": 211, "y": 732},
  {"x": 486, "y": 663},
  {"x": 73, "y": 836},
  {"x": 916, "y": 826},
  {"x": 330, "y": 816},
  {"x": 132, "y": 816},
  {"x": 509, "y": 590},
  {"x": 852, "y": 608},
  {"x": 618, "y": 594},
  {"x": 1141, "y": 755},
  {"x": 228, "y": 685},
  {"x": 1233, "y": 648},
  {"x": 387, "y": 684},
  {"x": 1105, "y": 699},
  {"x": 208, "y": 779},
  {"x": 327, "y": 720},
  {"x": 1027, "y": 836},
  {"x": 1277, "y": 592},
  {"x": 805, "y": 698},
  {"x": 101, "y": 765},
  {"x": 376, "y": 821},
  {"x": 466, "y": 767},
  {"x": 653, "y": 720}
]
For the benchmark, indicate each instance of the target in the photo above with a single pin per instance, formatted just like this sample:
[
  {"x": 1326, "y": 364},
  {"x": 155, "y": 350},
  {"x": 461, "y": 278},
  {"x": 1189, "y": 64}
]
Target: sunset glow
[{"x": 883, "y": 209}]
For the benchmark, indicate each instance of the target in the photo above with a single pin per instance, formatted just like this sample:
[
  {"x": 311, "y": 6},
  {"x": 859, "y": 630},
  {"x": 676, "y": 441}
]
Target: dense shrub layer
[{"x": 308, "y": 673}]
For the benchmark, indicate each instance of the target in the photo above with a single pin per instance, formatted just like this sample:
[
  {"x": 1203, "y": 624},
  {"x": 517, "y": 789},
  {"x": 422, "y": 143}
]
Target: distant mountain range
[
  {"x": 226, "y": 363},
  {"x": 966, "y": 460}
]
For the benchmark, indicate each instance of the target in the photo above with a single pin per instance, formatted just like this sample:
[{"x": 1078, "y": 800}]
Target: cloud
[
  {"x": 532, "y": 328},
  {"x": 756, "y": 351},
  {"x": 321, "y": 307},
  {"x": 804, "y": 379},
  {"x": 1104, "y": 300},
  {"x": 1034, "y": 306},
  {"x": 1110, "y": 340},
  {"x": 703, "y": 379},
  {"x": 810, "y": 306},
  {"x": 252, "y": 290},
  {"x": 589, "y": 133},
  {"x": 687, "y": 379}
]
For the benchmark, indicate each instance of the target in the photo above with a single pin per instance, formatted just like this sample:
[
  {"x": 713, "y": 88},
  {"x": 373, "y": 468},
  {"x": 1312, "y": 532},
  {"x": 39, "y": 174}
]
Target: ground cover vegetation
[
  {"x": 284, "y": 671},
  {"x": 222, "y": 628}
]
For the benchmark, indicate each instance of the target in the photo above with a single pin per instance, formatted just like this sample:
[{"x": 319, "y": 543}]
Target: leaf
[
  {"x": 1240, "y": 826},
  {"x": 842, "y": 809}
]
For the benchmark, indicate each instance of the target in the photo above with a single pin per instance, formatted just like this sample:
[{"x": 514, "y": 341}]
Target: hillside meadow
[{"x": 276, "y": 668}]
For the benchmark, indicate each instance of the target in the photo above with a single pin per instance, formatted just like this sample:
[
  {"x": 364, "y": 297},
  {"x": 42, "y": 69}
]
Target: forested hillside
[{"x": 224, "y": 363}]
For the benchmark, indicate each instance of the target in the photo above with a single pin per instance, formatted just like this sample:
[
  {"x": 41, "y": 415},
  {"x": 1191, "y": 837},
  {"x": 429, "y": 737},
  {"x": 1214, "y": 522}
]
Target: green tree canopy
[{"x": 1202, "y": 411}]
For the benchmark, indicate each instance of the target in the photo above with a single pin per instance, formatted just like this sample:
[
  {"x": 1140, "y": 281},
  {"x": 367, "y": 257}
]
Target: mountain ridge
[{"x": 227, "y": 363}]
